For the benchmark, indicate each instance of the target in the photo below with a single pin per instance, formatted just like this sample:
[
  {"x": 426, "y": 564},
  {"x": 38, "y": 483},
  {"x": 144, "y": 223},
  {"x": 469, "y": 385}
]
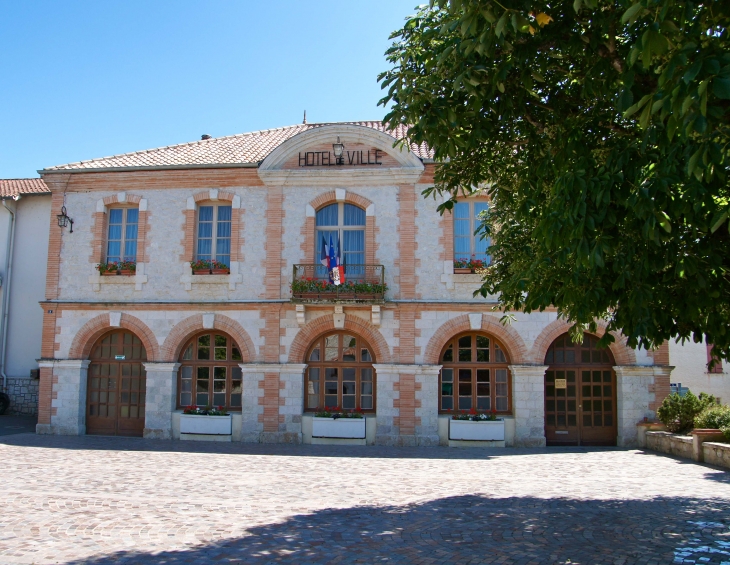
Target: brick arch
[
  {"x": 182, "y": 331},
  {"x": 308, "y": 246},
  {"x": 512, "y": 341},
  {"x": 206, "y": 195},
  {"x": 92, "y": 330},
  {"x": 331, "y": 198},
  {"x": 325, "y": 324},
  {"x": 622, "y": 353}
]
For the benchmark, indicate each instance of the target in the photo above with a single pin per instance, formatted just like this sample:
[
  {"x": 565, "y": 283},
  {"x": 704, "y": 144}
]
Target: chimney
[{"x": 205, "y": 136}]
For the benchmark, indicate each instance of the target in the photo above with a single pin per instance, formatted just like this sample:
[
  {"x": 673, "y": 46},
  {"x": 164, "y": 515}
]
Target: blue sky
[{"x": 80, "y": 80}]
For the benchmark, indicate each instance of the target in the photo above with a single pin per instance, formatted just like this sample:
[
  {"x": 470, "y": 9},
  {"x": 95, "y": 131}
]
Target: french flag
[
  {"x": 338, "y": 264},
  {"x": 324, "y": 255}
]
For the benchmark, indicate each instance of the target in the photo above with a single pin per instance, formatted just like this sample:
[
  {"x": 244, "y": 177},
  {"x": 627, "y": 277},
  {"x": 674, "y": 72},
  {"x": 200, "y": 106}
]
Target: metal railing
[{"x": 363, "y": 283}]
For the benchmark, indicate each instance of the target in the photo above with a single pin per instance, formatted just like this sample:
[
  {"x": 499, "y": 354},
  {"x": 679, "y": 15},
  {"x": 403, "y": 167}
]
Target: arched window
[
  {"x": 340, "y": 373},
  {"x": 210, "y": 374},
  {"x": 475, "y": 374},
  {"x": 344, "y": 225}
]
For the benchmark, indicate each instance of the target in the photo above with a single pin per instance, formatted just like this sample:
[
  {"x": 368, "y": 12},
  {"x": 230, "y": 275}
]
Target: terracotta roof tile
[
  {"x": 244, "y": 148},
  {"x": 13, "y": 187}
]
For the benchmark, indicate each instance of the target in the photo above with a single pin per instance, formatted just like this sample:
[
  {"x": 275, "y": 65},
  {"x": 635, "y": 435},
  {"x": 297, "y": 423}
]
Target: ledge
[
  {"x": 188, "y": 279},
  {"x": 138, "y": 279}
]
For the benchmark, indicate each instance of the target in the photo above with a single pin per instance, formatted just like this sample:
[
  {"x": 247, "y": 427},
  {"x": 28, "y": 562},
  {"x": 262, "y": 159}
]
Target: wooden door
[
  {"x": 115, "y": 399},
  {"x": 580, "y": 394}
]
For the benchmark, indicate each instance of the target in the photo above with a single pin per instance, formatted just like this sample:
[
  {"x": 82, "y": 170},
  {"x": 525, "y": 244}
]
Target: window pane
[
  {"x": 132, "y": 215},
  {"x": 461, "y": 210},
  {"x": 353, "y": 240},
  {"x": 327, "y": 216},
  {"x": 115, "y": 216},
  {"x": 130, "y": 249},
  {"x": 205, "y": 213},
  {"x": 115, "y": 231},
  {"x": 354, "y": 216},
  {"x": 224, "y": 214}
]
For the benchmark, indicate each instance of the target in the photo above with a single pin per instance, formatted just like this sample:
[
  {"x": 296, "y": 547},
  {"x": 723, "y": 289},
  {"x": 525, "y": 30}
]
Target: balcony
[{"x": 364, "y": 284}]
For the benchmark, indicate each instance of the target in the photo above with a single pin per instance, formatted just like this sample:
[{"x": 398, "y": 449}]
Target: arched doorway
[
  {"x": 474, "y": 375},
  {"x": 580, "y": 393},
  {"x": 116, "y": 385},
  {"x": 210, "y": 372},
  {"x": 340, "y": 373}
]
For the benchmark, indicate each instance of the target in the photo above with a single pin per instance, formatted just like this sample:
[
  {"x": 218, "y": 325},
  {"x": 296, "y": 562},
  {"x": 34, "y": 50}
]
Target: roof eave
[{"x": 151, "y": 168}]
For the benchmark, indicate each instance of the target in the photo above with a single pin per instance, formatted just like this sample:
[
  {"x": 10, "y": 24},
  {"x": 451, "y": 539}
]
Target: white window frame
[
  {"x": 214, "y": 238},
  {"x": 473, "y": 225},
  {"x": 123, "y": 240}
]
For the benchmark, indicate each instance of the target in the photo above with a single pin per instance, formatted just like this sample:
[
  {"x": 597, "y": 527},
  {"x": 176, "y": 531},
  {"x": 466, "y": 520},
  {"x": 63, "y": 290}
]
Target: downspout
[{"x": 6, "y": 289}]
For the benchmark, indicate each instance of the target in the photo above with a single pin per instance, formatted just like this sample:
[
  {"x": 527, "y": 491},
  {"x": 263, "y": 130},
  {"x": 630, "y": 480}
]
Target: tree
[{"x": 601, "y": 130}]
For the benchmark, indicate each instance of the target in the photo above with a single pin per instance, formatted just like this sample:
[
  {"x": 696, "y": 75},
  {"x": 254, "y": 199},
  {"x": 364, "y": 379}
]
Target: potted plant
[
  {"x": 311, "y": 289},
  {"x": 476, "y": 426},
  {"x": 336, "y": 423},
  {"x": 471, "y": 265},
  {"x": 127, "y": 268},
  {"x": 205, "y": 421},
  {"x": 218, "y": 268},
  {"x": 200, "y": 267},
  {"x": 108, "y": 269}
]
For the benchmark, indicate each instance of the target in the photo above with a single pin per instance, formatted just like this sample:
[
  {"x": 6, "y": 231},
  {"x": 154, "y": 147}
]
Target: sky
[{"x": 87, "y": 79}]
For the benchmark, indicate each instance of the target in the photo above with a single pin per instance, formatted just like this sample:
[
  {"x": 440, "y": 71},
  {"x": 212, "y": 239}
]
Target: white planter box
[
  {"x": 348, "y": 428},
  {"x": 209, "y": 425},
  {"x": 488, "y": 430}
]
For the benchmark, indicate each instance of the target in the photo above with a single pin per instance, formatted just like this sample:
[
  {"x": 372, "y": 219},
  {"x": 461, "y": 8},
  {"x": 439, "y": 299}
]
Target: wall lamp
[
  {"x": 64, "y": 220},
  {"x": 338, "y": 149}
]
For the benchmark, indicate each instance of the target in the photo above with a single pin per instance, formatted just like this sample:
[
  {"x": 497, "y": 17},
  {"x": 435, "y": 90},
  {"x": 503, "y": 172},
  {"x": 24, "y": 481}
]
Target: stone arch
[
  {"x": 331, "y": 197},
  {"x": 179, "y": 335},
  {"x": 324, "y": 324},
  {"x": 622, "y": 353},
  {"x": 92, "y": 330},
  {"x": 512, "y": 341}
]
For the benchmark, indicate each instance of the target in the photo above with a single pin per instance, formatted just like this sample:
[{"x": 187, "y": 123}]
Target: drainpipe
[{"x": 6, "y": 289}]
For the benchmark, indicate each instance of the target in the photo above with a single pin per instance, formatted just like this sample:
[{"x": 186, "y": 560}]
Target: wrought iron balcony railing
[{"x": 363, "y": 283}]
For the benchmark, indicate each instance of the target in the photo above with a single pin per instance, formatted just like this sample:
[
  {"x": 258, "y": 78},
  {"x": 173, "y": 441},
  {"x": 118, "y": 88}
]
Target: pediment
[{"x": 368, "y": 158}]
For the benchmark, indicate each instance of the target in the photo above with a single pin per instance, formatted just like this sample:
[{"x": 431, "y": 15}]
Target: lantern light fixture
[
  {"x": 338, "y": 149},
  {"x": 64, "y": 220}
]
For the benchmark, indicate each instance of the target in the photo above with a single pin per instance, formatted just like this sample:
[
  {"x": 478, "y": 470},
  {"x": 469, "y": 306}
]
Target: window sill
[
  {"x": 138, "y": 279},
  {"x": 188, "y": 279}
]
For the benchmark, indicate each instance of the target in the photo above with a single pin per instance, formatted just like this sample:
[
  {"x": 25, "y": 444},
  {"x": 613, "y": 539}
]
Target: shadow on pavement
[
  {"x": 11, "y": 425},
  {"x": 285, "y": 450},
  {"x": 475, "y": 529}
]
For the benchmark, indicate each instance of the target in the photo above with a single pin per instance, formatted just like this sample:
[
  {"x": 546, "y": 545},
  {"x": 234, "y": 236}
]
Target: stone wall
[
  {"x": 716, "y": 454},
  {"x": 23, "y": 393},
  {"x": 665, "y": 442}
]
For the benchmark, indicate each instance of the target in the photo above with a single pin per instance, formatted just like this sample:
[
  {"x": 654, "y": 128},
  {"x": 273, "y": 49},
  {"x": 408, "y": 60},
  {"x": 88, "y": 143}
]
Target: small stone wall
[
  {"x": 716, "y": 453},
  {"x": 23, "y": 393},
  {"x": 665, "y": 442}
]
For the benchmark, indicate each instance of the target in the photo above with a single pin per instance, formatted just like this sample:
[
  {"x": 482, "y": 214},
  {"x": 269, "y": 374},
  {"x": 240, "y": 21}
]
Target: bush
[
  {"x": 678, "y": 413},
  {"x": 713, "y": 418}
]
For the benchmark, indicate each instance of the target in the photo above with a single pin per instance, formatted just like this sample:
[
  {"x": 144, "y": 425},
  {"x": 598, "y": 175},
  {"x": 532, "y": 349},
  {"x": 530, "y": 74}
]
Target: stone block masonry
[{"x": 23, "y": 393}]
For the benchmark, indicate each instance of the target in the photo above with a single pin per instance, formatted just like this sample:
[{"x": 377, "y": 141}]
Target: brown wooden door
[
  {"x": 580, "y": 394},
  {"x": 115, "y": 399}
]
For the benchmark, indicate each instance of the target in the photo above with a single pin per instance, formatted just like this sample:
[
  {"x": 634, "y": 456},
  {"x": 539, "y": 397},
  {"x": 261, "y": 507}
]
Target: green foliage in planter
[
  {"x": 200, "y": 265},
  {"x": 112, "y": 267},
  {"x": 336, "y": 413},
  {"x": 320, "y": 286},
  {"x": 128, "y": 266},
  {"x": 678, "y": 412},
  {"x": 714, "y": 418}
]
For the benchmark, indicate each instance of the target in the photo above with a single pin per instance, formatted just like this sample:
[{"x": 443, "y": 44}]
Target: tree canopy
[{"x": 601, "y": 131}]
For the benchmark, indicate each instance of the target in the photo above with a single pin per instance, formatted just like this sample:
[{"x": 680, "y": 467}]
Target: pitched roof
[
  {"x": 245, "y": 148},
  {"x": 10, "y": 188}
]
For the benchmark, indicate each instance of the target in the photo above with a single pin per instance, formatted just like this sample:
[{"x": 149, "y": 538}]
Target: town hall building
[{"x": 219, "y": 296}]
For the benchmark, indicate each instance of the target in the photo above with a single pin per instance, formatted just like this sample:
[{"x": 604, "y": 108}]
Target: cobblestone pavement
[{"x": 100, "y": 501}]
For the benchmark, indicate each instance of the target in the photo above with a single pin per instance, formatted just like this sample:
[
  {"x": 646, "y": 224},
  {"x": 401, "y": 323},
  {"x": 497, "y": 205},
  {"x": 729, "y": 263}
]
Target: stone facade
[
  {"x": 23, "y": 393},
  {"x": 274, "y": 208}
]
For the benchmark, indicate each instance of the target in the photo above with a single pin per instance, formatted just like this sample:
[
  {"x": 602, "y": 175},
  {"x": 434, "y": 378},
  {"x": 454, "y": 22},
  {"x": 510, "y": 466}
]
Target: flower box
[
  {"x": 109, "y": 273},
  {"x": 127, "y": 272},
  {"x": 462, "y": 271},
  {"x": 345, "y": 428},
  {"x": 220, "y": 271},
  {"x": 201, "y": 272},
  {"x": 487, "y": 430},
  {"x": 207, "y": 425}
]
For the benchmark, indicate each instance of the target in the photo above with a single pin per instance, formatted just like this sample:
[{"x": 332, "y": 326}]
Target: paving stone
[{"x": 101, "y": 501}]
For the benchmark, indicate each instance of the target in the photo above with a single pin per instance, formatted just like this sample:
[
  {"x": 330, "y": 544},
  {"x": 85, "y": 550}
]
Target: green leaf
[
  {"x": 645, "y": 117},
  {"x": 671, "y": 126},
  {"x": 631, "y": 14},
  {"x": 577, "y": 5},
  {"x": 692, "y": 165},
  {"x": 664, "y": 221},
  {"x": 499, "y": 29},
  {"x": 721, "y": 88},
  {"x": 717, "y": 220},
  {"x": 692, "y": 71}
]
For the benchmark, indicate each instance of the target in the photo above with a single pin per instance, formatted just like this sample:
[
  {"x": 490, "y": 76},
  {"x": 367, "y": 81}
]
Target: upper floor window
[
  {"x": 344, "y": 225},
  {"x": 122, "y": 235},
  {"x": 466, "y": 221},
  {"x": 214, "y": 233}
]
